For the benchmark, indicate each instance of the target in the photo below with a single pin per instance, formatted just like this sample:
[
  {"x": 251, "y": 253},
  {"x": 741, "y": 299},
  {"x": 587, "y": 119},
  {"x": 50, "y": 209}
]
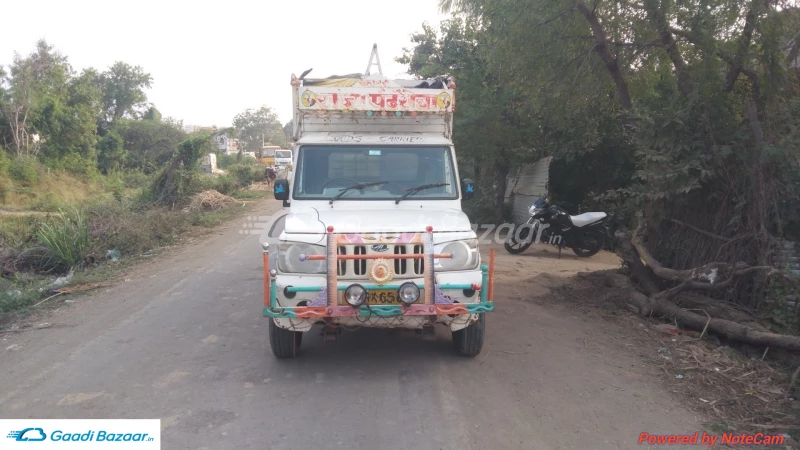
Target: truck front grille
[{"x": 357, "y": 269}]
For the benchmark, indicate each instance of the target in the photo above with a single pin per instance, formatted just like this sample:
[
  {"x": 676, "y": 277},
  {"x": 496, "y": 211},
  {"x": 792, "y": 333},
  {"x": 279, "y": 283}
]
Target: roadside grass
[{"x": 29, "y": 266}]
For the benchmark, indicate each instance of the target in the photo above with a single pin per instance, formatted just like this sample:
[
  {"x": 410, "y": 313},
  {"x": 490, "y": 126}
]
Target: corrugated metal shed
[{"x": 524, "y": 187}]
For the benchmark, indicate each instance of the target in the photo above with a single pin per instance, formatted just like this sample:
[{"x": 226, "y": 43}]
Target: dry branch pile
[
  {"x": 209, "y": 200},
  {"x": 648, "y": 298}
]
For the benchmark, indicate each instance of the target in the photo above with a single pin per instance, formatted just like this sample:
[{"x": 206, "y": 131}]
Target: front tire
[
  {"x": 284, "y": 343},
  {"x": 515, "y": 248},
  {"x": 469, "y": 341}
]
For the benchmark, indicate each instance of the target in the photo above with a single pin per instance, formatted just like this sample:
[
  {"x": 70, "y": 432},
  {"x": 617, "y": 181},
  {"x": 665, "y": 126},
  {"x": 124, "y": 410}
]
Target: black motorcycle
[{"x": 550, "y": 224}]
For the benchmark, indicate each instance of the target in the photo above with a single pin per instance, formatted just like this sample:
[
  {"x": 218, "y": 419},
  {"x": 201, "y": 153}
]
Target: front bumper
[
  {"x": 444, "y": 303},
  {"x": 434, "y": 304}
]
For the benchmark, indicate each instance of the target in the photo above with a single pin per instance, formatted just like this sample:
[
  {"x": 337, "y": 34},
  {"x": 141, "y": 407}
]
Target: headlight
[
  {"x": 408, "y": 292},
  {"x": 355, "y": 295},
  {"x": 533, "y": 210},
  {"x": 465, "y": 255},
  {"x": 289, "y": 258}
]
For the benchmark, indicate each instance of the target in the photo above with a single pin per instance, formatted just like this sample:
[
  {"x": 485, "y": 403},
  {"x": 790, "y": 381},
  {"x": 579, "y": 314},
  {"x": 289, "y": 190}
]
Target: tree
[
  {"x": 149, "y": 144},
  {"x": 30, "y": 82},
  {"x": 124, "y": 90},
  {"x": 493, "y": 129},
  {"x": 258, "y": 127},
  {"x": 702, "y": 92},
  {"x": 111, "y": 152}
]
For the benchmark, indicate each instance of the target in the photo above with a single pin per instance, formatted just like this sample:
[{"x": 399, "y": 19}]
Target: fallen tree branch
[
  {"x": 706, "y": 277},
  {"x": 726, "y": 328}
]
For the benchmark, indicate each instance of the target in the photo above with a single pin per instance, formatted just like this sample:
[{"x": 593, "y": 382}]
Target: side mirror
[
  {"x": 281, "y": 189},
  {"x": 467, "y": 189}
]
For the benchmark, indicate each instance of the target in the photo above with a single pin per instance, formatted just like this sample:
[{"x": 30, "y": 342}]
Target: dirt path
[{"x": 183, "y": 340}]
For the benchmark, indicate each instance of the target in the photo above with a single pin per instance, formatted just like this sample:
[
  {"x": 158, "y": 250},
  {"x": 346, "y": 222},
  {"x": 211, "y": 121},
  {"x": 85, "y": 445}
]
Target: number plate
[{"x": 379, "y": 298}]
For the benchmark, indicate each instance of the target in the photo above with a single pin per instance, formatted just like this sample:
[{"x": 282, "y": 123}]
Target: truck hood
[{"x": 377, "y": 221}]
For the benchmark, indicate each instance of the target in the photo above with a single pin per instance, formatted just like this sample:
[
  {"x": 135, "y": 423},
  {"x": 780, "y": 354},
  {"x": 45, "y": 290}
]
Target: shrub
[
  {"x": 24, "y": 170},
  {"x": 67, "y": 238},
  {"x": 225, "y": 161},
  {"x": 135, "y": 179},
  {"x": 133, "y": 231},
  {"x": 4, "y": 162},
  {"x": 246, "y": 174}
]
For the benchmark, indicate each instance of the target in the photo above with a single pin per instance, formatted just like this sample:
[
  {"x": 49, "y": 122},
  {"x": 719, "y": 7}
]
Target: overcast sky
[{"x": 212, "y": 60}]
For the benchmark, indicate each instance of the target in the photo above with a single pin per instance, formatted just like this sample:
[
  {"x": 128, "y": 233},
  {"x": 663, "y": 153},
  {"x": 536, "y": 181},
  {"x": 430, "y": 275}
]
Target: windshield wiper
[
  {"x": 414, "y": 190},
  {"x": 355, "y": 186}
]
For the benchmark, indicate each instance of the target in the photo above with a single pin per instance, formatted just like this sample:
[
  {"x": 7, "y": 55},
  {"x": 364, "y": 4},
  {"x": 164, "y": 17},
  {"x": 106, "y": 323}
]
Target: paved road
[{"x": 183, "y": 340}]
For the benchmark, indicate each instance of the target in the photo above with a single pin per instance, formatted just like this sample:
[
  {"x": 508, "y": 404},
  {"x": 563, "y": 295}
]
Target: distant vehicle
[
  {"x": 283, "y": 158},
  {"x": 267, "y": 156},
  {"x": 249, "y": 155}
]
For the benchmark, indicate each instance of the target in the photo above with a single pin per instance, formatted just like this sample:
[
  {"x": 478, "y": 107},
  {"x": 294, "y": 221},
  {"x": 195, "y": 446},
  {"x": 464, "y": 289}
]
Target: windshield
[
  {"x": 323, "y": 171},
  {"x": 283, "y": 154}
]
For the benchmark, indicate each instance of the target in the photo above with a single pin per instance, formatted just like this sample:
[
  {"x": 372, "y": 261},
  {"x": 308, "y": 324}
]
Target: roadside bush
[
  {"x": 225, "y": 161},
  {"x": 14, "y": 296},
  {"x": 131, "y": 231},
  {"x": 135, "y": 179},
  {"x": 47, "y": 202},
  {"x": 24, "y": 170},
  {"x": 115, "y": 184},
  {"x": 5, "y": 183},
  {"x": 67, "y": 238},
  {"x": 247, "y": 174},
  {"x": 4, "y": 162},
  {"x": 224, "y": 184}
]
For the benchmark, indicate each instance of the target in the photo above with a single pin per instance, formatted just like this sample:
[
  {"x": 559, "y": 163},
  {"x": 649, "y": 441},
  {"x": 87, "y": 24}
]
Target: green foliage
[
  {"x": 123, "y": 90},
  {"x": 111, "y": 152},
  {"x": 256, "y": 127},
  {"x": 149, "y": 144},
  {"x": 5, "y": 162},
  {"x": 24, "y": 170},
  {"x": 224, "y": 184},
  {"x": 66, "y": 237},
  {"x": 246, "y": 173},
  {"x": 225, "y": 161},
  {"x": 494, "y": 128},
  {"x": 173, "y": 183},
  {"x": 16, "y": 294}
]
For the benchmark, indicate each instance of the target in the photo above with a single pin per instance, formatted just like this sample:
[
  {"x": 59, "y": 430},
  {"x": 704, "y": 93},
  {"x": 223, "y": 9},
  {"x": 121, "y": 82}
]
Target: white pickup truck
[{"x": 373, "y": 234}]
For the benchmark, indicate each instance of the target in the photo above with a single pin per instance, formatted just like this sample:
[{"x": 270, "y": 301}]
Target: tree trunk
[
  {"x": 601, "y": 48},
  {"x": 664, "y": 33}
]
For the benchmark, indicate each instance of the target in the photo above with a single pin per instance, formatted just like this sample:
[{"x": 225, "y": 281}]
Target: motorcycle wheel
[
  {"x": 592, "y": 243},
  {"x": 512, "y": 246}
]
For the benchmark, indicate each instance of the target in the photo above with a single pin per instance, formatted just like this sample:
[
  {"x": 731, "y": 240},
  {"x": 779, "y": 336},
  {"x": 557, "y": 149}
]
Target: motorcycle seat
[{"x": 586, "y": 218}]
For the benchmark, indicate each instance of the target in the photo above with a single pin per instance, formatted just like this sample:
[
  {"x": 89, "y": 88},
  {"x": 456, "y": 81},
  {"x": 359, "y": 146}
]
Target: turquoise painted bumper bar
[
  {"x": 485, "y": 305},
  {"x": 373, "y": 287}
]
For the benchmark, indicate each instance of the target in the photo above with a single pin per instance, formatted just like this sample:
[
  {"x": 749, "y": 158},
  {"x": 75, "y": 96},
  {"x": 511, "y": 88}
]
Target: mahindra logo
[{"x": 380, "y": 248}]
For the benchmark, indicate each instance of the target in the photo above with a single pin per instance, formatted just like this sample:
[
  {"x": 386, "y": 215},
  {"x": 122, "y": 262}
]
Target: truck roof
[
  {"x": 373, "y": 104},
  {"x": 373, "y": 138}
]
